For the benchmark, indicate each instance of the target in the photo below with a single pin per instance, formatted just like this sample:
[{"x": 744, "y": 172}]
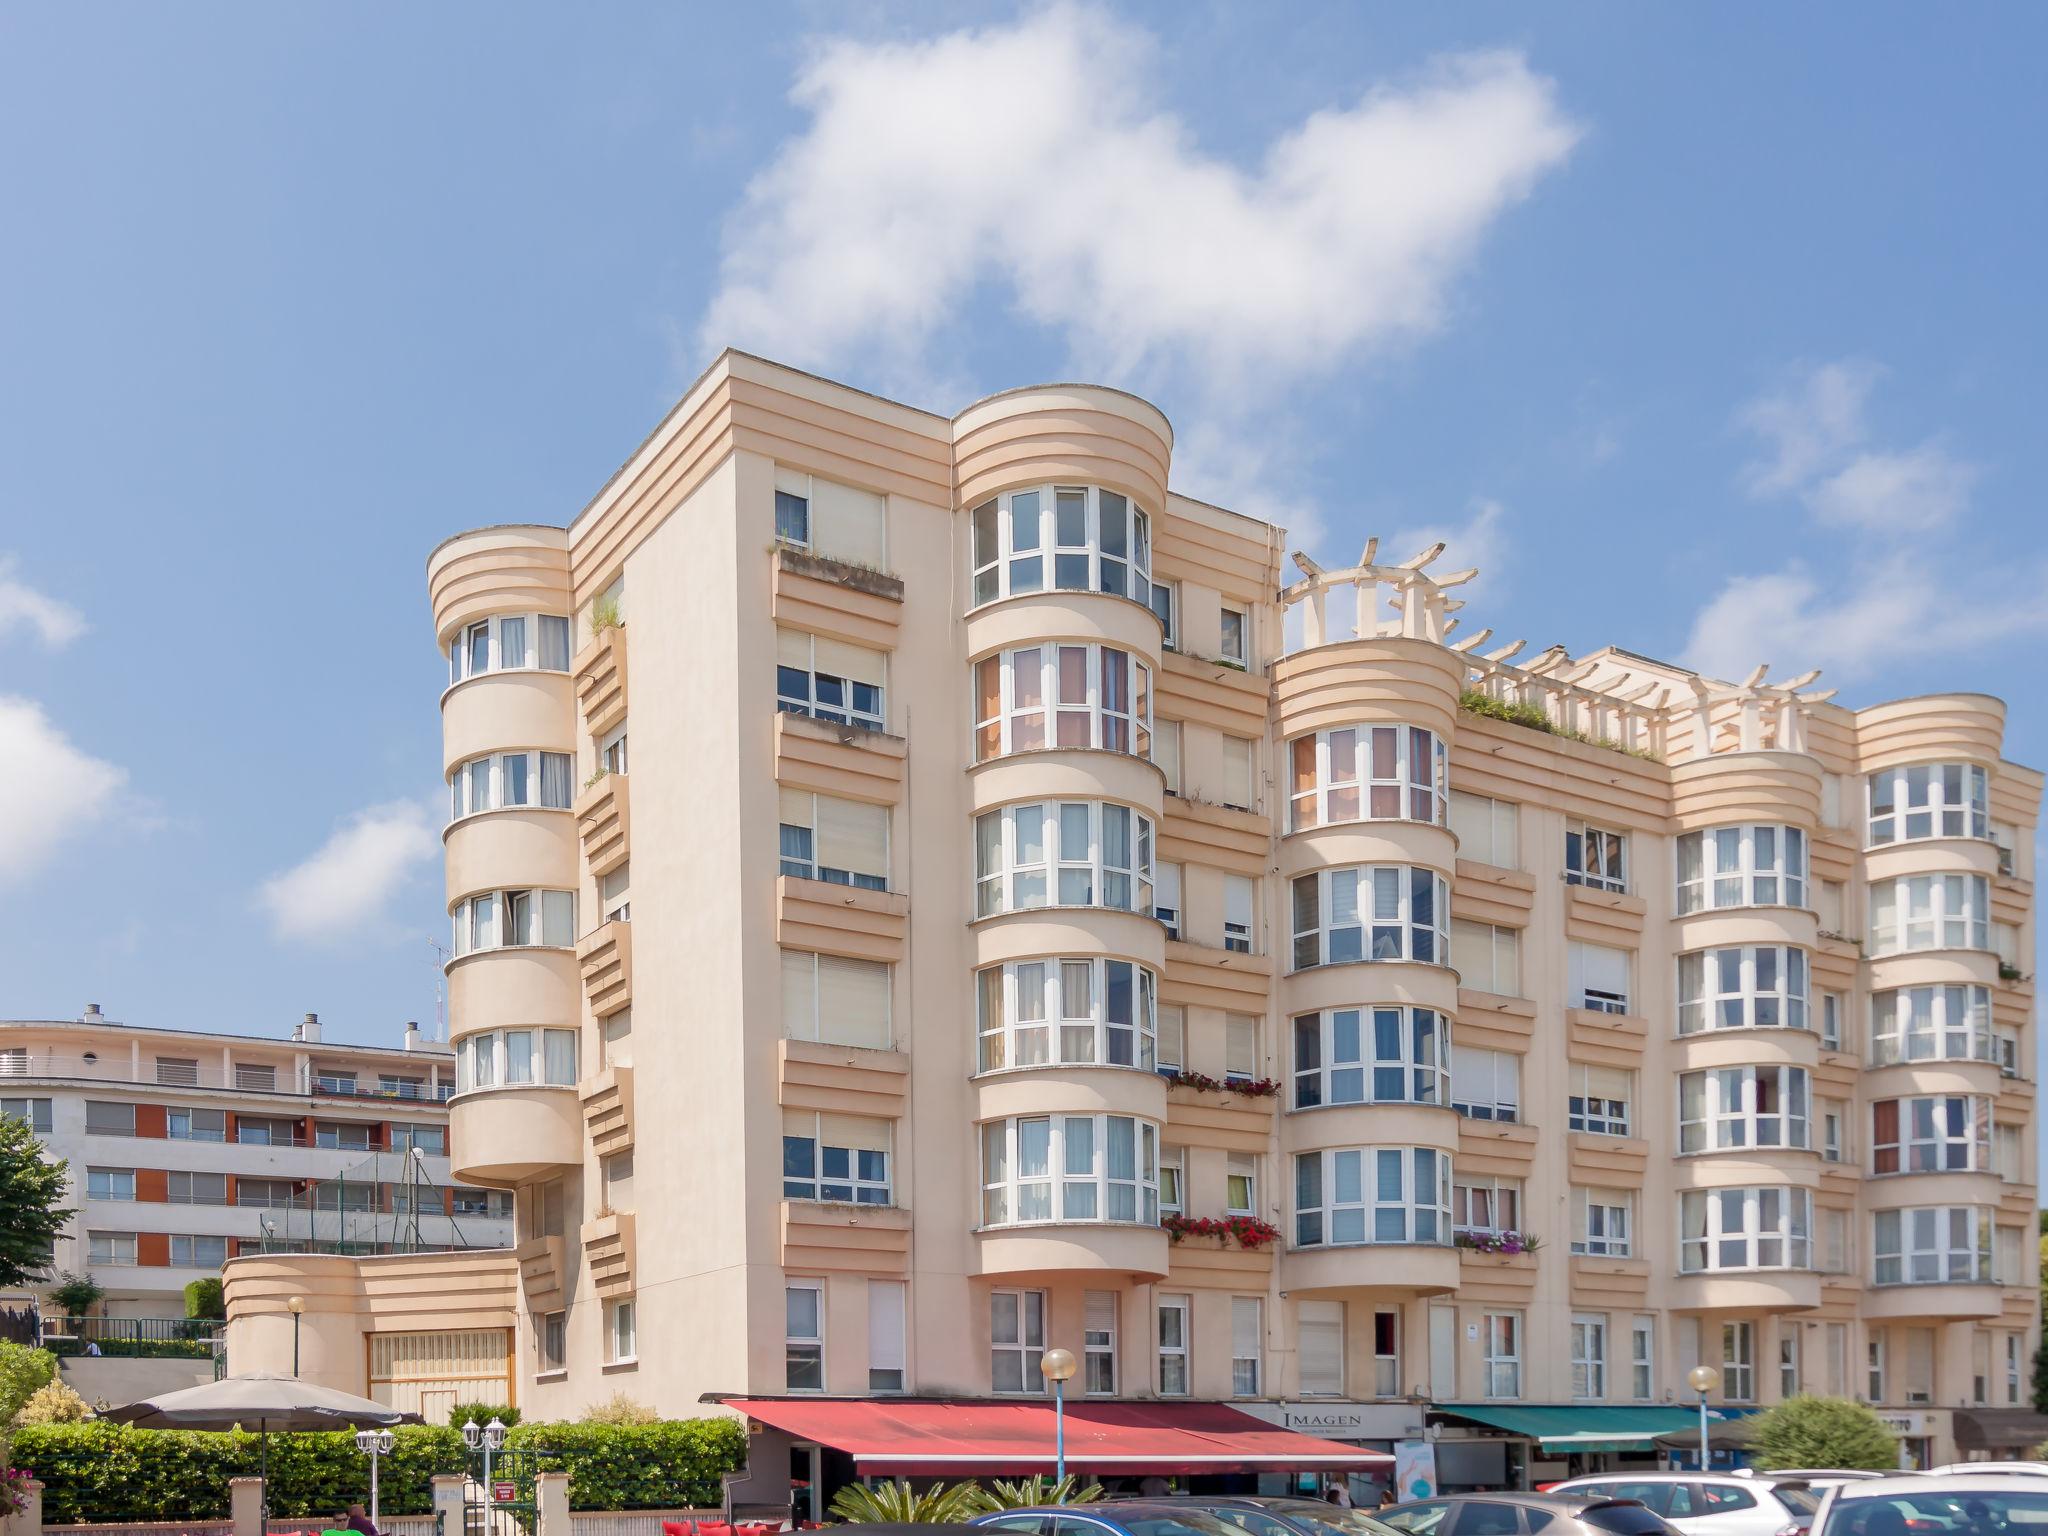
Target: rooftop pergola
[{"x": 1603, "y": 698}]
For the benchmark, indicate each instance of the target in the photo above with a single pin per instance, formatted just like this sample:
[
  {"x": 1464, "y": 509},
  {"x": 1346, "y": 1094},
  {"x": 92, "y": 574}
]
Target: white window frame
[
  {"x": 493, "y": 770},
  {"x": 1952, "y": 1023},
  {"x": 482, "y": 919},
  {"x": 1763, "y": 864},
  {"x": 800, "y": 1345},
  {"x": 1240, "y": 917},
  {"x": 1788, "y": 1362},
  {"x": 493, "y": 1051},
  {"x": 1932, "y": 1245},
  {"x": 461, "y": 645},
  {"x": 1014, "y": 883},
  {"x": 1772, "y": 1229},
  {"x": 1600, "y": 1114},
  {"x": 1340, "y": 1057},
  {"x": 1486, "y": 1084},
  {"x": 1165, "y": 605},
  {"x": 1421, "y": 1214},
  {"x": 1705, "y": 1003},
  {"x": 1166, "y": 897},
  {"x": 1032, "y": 1027},
  {"x": 1104, "y": 727},
  {"x": 1589, "y": 1356},
  {"x": 1725, "y": 1109},
  {"x": 1098, "y": 1343},
  {"x": 997, "y": 560},
  {"x": 1175, "y": 1377},
  {"x": 864, "y": 1182},
  {"x": 1028, "y": 1308},
  {"x": 1386, "y": 1352},
  {"x": 1070, "y": 1191},
  {"x": 1240, "y": 1183},
  {"x": 1173, "y": 1181},
  {"x": 798, "y": 857},
  {"x": 1642, "y": 1358},
  {"x": 1501, "y": 1341},
  {"x": 1914, "y": 914},
  {"x": 1918, "y": 803},
  {"x": 1485, "y": 1205},
  {"x": 1603, "y": 1222},
  {"x": 1247, "y": 1368},
  {"x": 1394, "y": 773},
  {"x": 621, "y": 1331},
  {"x": 1925, "y": 1135},
  {"x": 1375, "y": 937},
  {"x": 1738, "y": 1361},
  {"x": 1595, "y": 857},
  {"x": 865, "y": 711},
  {"x": 1238, "y": 650}
]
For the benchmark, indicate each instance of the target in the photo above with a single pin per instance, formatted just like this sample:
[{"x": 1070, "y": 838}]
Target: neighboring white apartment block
[{"x": 188, "y": 1148}]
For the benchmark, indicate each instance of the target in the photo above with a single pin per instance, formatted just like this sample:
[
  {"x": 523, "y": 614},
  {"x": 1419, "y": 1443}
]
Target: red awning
[{"x": 1108, "y": 1439}]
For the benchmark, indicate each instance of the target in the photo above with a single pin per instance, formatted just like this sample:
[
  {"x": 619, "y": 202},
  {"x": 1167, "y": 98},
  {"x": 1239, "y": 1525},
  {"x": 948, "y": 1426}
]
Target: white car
[
  {"x": 1813, "y": 1477},
  {"x": 1712, "y": 1503},
  {"x": 1991, "y": 1469},
  {"x": 1968, "y": 1504}
]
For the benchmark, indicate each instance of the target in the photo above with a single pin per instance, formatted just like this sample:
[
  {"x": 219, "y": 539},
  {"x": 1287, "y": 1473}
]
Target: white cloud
[
  {"x": 1029, "y": 157},
  {"x": 1852, "y": 628},
  {"x": 55, "y": 624},
  {"x": 53, "y": 790},
  {"x": 350, "y": 878},
  {"x": 1809, "y": 426},
  {"x": 1910, "y": 492}
]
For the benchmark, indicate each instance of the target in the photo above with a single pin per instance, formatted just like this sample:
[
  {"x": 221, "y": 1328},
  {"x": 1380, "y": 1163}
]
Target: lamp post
[
  {"x": 490, "y": 1437},
  {"x": 374, "y": 1443},
  {"x": 1703, "y": 1379},
  {"x": 297, "y": 1305},
  {"x": 1057, "y": 1367}
]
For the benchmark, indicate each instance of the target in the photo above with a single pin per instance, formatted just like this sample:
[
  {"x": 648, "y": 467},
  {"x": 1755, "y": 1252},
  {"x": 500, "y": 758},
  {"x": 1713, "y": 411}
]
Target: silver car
[{"x": 1954, "y": 1504}]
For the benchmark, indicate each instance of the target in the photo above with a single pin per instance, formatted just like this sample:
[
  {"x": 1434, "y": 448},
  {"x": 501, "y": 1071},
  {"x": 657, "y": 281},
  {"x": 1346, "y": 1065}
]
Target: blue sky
[{"x": 1714, "y": 332}]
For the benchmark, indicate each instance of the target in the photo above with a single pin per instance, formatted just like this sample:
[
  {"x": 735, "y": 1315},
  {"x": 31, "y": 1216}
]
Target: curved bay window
[
  {"x": 1937, "y": 1133},
  {"x": 1387, "y": 1055},
  {"x": 1062, "y": 696},
  {"x": 1745, "y": 1229},
  {"x": 1931, "y": 1245},
  {"x": 1749, "y": 986},
  {"x": 1762, "y": 866},
  {"x": 1929, "y": 800},
  {"x": 1061, "y": 538},
  {"x": 1357, "y": 1195},
  {"x": 1036, "y": 1013},
  {"x": 1730, "y": 1107},
  {"x": 1380, "y": 912},
  {"x": 1931, "y": 1024},
  {"x": 1039, "y": 1168},
  {"x": 1062, "y": 853},
  {"x": 510, "y": 642},
  {"x": 1930, "y": 912},
  {"x": 1367, "y": 773}
]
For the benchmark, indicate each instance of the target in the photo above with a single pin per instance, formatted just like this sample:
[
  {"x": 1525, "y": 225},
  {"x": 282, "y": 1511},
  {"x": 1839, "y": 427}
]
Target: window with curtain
[
  {"x": 1936, "y": 1133},
  {"x": 1742, "y": 866},
  {"x": 1367, "y": 773},
  {"x": 1068, "y": 538},
  {"x": 1379, "y": 1055},
  {"x": 1745, "y": 1228},
  {"x": 1761, "y": 986},
  {"x": 1070, "y": 1168},
  {"x": 1918, "y": 912},
  {"x": 509, "y": 642},
  {"x": 1932, "y": 1245},
  {"x": 1073, "y": 1012},
  {"x": 1928, "y": 800},
  {"x": 1395, "y": 912},
  {"x": 1067, "y": 853},
  {"x": 1062, "y": 696},
  {"x": 1726, "y": 1108},
  {"x": 1355, "y": 1195}
]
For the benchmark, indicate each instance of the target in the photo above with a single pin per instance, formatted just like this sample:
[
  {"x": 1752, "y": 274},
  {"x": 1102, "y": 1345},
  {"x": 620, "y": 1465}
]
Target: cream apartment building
[
  {"x": 187, "y": 1148},
  {"x": 904, "y": 870}
]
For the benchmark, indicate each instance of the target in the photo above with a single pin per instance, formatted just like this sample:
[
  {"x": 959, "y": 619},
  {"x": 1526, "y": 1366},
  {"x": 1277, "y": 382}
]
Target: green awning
[{"x": 1582, "y": 1426}]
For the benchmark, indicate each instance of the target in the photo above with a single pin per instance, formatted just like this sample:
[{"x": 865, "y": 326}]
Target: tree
[
  {"x": 32, "y": 1209},
  {"x": 1821, "y": 1432},
  {"x": 76, "y": 1293}
]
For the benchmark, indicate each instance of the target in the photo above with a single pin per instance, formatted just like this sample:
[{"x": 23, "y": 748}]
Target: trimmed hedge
[{"x": 105, "y": 1473}]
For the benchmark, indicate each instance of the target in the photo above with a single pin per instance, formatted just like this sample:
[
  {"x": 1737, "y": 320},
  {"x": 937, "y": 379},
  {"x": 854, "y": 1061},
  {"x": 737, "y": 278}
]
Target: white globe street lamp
[{"x": 1057, "y": 1366}]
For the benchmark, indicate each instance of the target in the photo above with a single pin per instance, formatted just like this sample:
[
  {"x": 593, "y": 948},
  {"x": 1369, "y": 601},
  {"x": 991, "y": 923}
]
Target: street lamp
[
  {"x": 374, "y": 1443},
  {"x": 490, "y": 1437},
  {"x": 1704, "y": 1379},
  {"x": 1057, "y": 1367},
  {"x": 297, "y": 1305}
]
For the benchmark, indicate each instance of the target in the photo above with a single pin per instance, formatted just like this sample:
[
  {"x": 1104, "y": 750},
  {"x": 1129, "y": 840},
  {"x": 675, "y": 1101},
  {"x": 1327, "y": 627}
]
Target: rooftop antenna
[{"x": 442, "y": 955}]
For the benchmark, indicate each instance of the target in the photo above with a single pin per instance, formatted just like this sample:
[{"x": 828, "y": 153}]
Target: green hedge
[{"x": 104, "y": 1473}]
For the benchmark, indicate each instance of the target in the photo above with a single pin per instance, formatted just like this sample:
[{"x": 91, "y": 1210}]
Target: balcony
[
  {"x": 1601, "y": 1281},
  {"x": 843, "y": 1079},
  {"x": 1606, "y": 1039},
  {"x": 1496, "y": 1277},
  {"x": 608, "y": 1252},
  {"x": 1102, "y": 1249},
  {"x": 829, "y": 1235},
  {"x": 600, "y": 673},
  {"x": 1359, "y": 1269},
  {"x": 1604, "y": 917},
  {"x": 36, "y": 1064},
  {"x": 540, "y": 1272},
  {"x": 1495, "y": 1021},
  {"x": 841, "y": 760},
  {"x": 1219, "y": 1119},
  {"x": 605, "y": 956},
  {"x": 1500, "y": 1148},
  {"x": 1209, "y": 976},
  {"x": 834, "y": 919},
  {"x": 831, "y": 597},
  {"x": 608, "y": 1110},
  {"x": 1747, "y": 1290},
  {"x": 1958, "y": 1301},
  {"x": 1487, "y": 893},
  {"x": 1214, "y": 693},
  {"x": 1602, "y": 1159},
  {"x": 604, "y": 822},
  {"x": 506, "y": 1136}
]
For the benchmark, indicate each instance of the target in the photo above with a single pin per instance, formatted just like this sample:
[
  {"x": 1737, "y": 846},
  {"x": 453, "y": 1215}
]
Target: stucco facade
[{"x": 983, "y": 800}]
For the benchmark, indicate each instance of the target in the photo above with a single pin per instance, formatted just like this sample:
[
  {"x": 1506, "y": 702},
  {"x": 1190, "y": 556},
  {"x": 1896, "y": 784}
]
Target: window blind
[
  {"x": 1240, "y": 1045},
  {"x": 852, "y": 836},
  {"x": 847, "y": 524},
  {"x": 838, "y": 659},
  {"x": 1320, "y": 1341},
  {"x": 886, "y": 1351}
]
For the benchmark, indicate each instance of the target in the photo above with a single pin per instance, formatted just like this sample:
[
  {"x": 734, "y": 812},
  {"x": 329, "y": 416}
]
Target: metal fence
[{"x": 106, "y": 1330}]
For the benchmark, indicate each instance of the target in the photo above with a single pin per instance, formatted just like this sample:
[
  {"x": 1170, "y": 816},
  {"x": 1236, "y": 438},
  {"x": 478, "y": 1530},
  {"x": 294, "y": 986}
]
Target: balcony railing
[{"x": 34, "y": 1063}]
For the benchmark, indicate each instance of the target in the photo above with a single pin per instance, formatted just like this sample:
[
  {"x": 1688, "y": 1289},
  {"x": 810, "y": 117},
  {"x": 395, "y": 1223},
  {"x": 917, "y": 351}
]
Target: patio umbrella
[{"x": 262, "y": 1400}]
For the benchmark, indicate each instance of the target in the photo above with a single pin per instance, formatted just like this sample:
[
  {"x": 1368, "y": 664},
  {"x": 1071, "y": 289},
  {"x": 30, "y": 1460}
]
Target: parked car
[
  {"x": 1814, "y": 1477},
  {"x": 1524, "y": 1514},
  {"x": 1264, "y": 1516},
  {"x": 1991, "y": 1468},
  {"x": 1713, "y": 1503},
  {"x": 1118, "y": 1517},
  {"x": 1964, "y": 1503}
]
